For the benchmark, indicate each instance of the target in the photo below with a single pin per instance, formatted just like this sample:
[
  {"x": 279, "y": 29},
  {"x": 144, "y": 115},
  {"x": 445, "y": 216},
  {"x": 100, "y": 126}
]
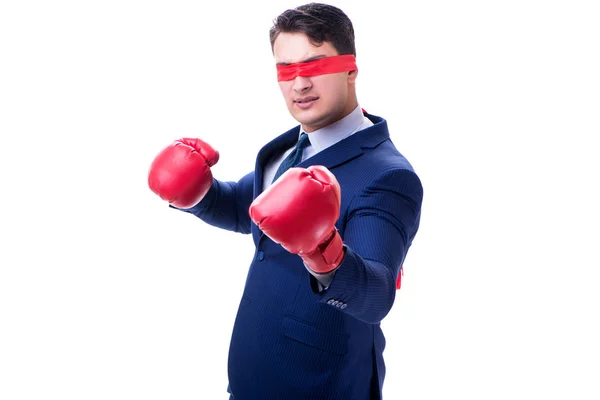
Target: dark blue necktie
[{"x": 294, "y": 158}]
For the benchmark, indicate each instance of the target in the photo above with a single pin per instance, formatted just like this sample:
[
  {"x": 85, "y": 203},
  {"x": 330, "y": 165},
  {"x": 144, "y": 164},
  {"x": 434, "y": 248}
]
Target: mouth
[
  {"x": 306, "y": 102},
  {"x": 306, "y": 99}
]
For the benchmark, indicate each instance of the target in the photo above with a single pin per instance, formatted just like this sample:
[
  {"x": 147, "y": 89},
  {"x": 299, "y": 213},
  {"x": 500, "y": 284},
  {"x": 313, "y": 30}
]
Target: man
[{"x": 332, "y": 207}]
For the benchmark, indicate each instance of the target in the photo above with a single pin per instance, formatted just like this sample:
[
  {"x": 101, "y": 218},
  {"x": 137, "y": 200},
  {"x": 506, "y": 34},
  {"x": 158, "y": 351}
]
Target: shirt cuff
[{"x": 323, "y": 280}]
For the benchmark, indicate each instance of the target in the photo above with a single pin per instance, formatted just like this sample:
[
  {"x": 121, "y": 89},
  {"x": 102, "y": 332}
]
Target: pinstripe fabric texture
[{"x": 289, "y": 341}]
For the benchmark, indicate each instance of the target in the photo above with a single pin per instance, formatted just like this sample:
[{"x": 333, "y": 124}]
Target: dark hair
[{"x": 320, "y": 22}]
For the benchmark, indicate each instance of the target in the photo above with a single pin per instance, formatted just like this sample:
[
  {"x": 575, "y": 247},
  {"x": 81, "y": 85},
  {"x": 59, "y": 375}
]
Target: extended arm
[
  {"x": 226, "y": 204},
  {"x": 381, "y": 226},
  {"x": 300, "y": 210}
]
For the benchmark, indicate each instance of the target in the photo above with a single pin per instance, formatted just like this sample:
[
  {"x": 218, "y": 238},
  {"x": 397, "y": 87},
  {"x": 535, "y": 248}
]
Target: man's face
[{"x": 314, "y": 101}]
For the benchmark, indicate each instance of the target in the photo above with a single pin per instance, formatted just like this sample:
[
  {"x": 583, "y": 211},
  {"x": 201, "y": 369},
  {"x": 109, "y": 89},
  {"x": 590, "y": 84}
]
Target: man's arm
[
  {"x": 226, "y": 204},
  {"x": 300, "y": 210},
  {"x": 382, "y": 223}
]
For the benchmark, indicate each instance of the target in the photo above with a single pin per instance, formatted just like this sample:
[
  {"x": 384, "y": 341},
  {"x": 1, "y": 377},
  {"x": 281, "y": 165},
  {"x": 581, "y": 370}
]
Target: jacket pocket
[{"x": 332, "y": 342}]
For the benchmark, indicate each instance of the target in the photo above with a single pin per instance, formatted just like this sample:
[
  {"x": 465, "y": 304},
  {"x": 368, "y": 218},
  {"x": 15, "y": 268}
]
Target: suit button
[
  {"x": 330, "y": 302},
  {"x": 343, "y": 306},
  {"x": 260, "y": 256}
]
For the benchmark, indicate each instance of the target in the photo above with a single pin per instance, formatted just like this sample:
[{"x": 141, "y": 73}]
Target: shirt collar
[{"x": 333, "y": 133}]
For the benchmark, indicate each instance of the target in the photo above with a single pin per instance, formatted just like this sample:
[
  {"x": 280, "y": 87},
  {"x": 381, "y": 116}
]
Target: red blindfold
[{"x": 321, "y": 66}]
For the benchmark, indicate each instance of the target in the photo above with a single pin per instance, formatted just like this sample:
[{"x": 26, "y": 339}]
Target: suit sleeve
[
  {"x": 226, "y": 205},
  {"x": 381, "y": 224}
]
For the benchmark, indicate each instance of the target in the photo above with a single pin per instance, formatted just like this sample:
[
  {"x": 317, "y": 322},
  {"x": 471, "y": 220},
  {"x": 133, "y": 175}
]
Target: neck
[{"x": 350, "y": 105}]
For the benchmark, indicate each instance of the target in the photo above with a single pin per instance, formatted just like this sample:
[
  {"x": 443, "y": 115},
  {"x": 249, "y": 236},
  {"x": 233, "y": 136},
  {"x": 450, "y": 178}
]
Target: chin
[{"x": 310, "y": 118}]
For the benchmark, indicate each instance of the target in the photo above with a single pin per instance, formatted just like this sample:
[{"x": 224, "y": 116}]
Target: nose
[{"x": 301, "y": 84}]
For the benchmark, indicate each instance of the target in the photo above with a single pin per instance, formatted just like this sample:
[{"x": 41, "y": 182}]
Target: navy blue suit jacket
[{"x": 289, "y": 340}]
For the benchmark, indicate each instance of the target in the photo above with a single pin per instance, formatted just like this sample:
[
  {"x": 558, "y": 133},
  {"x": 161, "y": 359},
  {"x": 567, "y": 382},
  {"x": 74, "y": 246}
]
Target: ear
[{"x": 352, "y": 76}]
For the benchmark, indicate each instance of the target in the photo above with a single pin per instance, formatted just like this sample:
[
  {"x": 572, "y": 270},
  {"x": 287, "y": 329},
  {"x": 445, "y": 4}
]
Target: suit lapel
[
  {"x": 270, "y": 150},
  {"x": 335, "y": 155},
  {"x": 351, "y": 147}
]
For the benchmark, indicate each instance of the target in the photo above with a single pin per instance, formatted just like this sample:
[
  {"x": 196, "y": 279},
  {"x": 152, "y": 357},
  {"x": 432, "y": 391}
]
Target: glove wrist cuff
[{"x": 327, "y": 256}]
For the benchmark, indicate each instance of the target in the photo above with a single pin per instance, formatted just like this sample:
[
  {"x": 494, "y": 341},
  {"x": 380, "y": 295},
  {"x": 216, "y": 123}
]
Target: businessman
[{"x": 332, "y": 207}]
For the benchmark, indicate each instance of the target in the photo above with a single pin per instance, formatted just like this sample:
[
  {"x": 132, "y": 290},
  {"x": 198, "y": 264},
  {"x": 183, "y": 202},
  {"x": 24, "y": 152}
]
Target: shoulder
[
  {"x": 380, "y": 154},
  {"x": 381, "y": 164}
]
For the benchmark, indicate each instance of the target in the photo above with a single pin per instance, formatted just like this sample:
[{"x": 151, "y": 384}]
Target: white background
[{"x": 105, "y": 293}]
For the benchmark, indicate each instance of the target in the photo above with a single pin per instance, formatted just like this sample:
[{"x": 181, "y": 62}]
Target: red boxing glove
[
  {"x": 299, "y": 212},
  {"x": 180, "y": 173}
]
